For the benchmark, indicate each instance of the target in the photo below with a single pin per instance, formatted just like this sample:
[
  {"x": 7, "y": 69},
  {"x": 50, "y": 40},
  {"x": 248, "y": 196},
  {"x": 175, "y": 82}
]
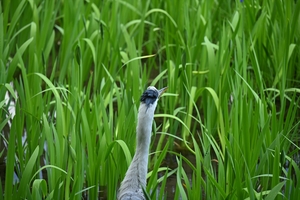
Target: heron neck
[
  {"x": 144, "y": 129},
  {"x": 136, "y": 174}
]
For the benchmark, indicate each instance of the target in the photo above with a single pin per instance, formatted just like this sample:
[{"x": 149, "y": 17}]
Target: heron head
[{"x": 151, "y": 95}]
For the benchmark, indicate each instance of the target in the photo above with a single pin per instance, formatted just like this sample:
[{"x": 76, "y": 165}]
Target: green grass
[{"x": 74, "y": 72}]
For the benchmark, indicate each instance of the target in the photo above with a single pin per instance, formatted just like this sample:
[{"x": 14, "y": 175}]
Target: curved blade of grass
[
  {"x": 14, "y": 62},
  {"x": 275, "y": 191},
  {"x": 27, "y": 173},
  {"x": 215, "y": 183},
  {"x": 188, "y": 118},
  {"x": 157, "y": 10},
  {"x": 178, "y": 178},
  {"x": 162, "y": 155},
  {"x": 158, "y": 77},
  {"x": 15, "y": 18},
  {"x": 60, "y": 113},
  {"x": 85, "y": 189},
  {"x": 39, "y": 185},
  {"x": 124, "y": 147},
  {"x": 164, "y": 182},
  {"x": 45, "y": 167},
  {"x": 10, "y": 163},
  {"x": 179, "y": 120},
  {"x": 92, "y": 47},
  {"x": 137, "y": 58},
  {"x": 11, "y": 91}
]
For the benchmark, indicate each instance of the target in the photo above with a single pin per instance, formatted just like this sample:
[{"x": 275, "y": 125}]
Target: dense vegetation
[{"x": 73, "y": 72}]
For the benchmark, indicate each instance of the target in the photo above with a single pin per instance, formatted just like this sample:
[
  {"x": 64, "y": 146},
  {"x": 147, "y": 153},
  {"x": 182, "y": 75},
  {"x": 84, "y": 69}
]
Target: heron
[{"x": 135, "y": 179}]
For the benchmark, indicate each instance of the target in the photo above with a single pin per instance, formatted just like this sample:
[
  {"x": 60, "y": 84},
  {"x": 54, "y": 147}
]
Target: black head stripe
[{"x": 149, "y": 96}]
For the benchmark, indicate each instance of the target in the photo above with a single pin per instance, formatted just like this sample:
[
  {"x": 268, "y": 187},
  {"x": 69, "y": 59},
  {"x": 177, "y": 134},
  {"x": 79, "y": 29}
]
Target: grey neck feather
[{"x": 135, "y": 178}]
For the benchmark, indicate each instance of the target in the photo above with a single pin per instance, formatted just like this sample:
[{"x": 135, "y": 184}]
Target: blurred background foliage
[{"x": 72, "y": 72}]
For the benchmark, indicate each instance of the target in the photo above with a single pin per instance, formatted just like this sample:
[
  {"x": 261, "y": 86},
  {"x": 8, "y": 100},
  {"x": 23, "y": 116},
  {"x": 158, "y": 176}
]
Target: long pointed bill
[{"x": 161, "y": 91}]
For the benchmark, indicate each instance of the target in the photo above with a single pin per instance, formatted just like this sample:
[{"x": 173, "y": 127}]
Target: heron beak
[{"x": 161, "y": 91}]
